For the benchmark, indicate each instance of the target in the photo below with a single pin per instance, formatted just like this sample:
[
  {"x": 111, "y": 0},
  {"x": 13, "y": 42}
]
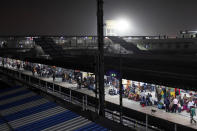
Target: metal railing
[
  {"x": 87, "y": 102},
  {"x": 71, "y": 41}
]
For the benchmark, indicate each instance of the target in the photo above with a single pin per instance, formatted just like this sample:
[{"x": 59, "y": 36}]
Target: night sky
[{"x": 78, "y": 17}]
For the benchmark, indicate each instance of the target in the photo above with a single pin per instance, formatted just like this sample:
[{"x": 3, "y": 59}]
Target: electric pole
[{"x": 100, "y": 63}]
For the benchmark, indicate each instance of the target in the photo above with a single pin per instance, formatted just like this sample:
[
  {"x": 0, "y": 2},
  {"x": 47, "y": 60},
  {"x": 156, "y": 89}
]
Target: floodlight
[{"x": 122, "y": 25}]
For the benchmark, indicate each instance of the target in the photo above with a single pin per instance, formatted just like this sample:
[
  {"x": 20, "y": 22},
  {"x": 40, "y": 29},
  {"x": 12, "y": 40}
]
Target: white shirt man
[
  {"x": 175, "y": 101},
  {"x": 142, "y": 94},
  {"x": 190, "y": 103}
]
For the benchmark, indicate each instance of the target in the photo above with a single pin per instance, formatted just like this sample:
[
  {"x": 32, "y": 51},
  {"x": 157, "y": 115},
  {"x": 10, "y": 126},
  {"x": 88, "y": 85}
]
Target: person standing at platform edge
[
  {"x": 53, "y": 76},
  {"x": 174, "y": 107},
  {"x": 192, "y": 114},
  {"x": 167, "y": 103}
]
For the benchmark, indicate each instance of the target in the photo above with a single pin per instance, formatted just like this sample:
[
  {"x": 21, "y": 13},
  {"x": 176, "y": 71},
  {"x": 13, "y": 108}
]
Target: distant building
[
  {"x": 188, "y": 34},
  {"x": 110, "y": 28}
]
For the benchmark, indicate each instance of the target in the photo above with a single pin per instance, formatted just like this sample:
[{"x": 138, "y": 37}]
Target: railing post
[
  {"x": 86, "y": 102},
  {"x": 46, "y": 86},
  {"x": 70, "y": 96},
  {"x": 29, "y": 79},
  {"x": 135, "y": 124},
  {"x": 59, "y": 89},
  {"x": 146, "y": 122},
  {"x": 60, "y": 94},
  {"x": 39, "y": 81},
  {"x": 53, "y": 87},
  {"x": 15, "y": 74},
  {"x": 19, "y": 75},
  {"x": 113, "y": 116},
  {"x": 175, "y": 127},
  {"x": 83, "y": 103}
]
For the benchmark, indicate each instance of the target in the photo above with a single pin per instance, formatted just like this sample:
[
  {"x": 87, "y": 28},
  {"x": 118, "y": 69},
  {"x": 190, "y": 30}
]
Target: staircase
[
  {"x": 124, "y": 44},
  {"x": 50, "y": 47}
]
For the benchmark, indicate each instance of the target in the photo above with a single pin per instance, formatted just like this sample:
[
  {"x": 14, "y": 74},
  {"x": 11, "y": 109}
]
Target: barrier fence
[{"x": 131, "y": 118}]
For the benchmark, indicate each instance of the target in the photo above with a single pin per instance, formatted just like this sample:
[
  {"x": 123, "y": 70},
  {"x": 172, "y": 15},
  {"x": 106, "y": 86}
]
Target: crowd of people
[
  {"x": 40, "y": 70},
  {"x": 170, "y": 99},
  {"x": 143, "y": 93},
  {"x": 69, "y": 76}
]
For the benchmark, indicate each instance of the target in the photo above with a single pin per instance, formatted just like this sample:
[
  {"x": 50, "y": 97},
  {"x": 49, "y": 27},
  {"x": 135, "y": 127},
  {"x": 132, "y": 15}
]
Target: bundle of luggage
[{"x": 113, "y": 91}]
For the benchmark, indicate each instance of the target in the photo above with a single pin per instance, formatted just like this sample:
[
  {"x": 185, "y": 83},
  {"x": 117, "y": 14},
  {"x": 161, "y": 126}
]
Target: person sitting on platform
[{"x": 137, "y": 98}]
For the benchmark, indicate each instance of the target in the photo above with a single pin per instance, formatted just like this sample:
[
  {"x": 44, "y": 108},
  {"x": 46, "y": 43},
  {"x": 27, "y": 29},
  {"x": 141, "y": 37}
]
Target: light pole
[
  {"x": 120, "y": 85},
  {"x": 100, "y": 63}
]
